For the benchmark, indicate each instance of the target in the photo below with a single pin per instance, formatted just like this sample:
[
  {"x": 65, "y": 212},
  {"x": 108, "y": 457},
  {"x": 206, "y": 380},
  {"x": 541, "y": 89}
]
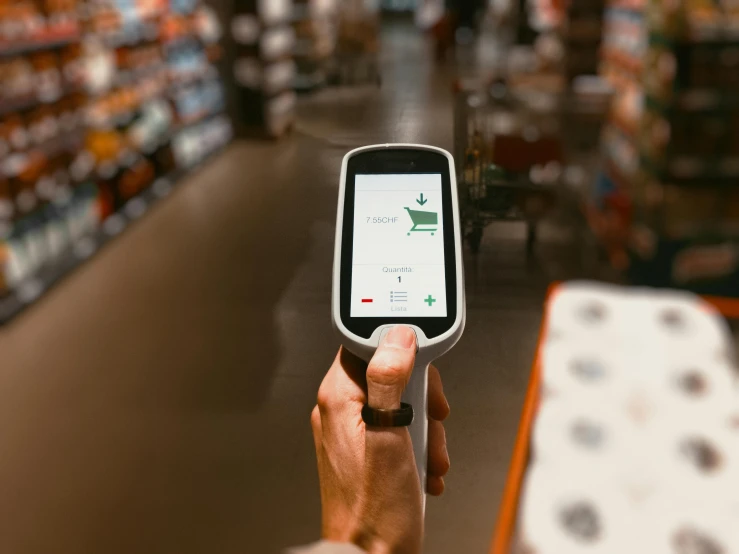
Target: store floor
[{"x": 158, "y": 399}]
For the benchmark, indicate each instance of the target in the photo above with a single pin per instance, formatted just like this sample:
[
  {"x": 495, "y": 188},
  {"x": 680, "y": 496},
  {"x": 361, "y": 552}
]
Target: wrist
[{"x": 372, "y": 544}]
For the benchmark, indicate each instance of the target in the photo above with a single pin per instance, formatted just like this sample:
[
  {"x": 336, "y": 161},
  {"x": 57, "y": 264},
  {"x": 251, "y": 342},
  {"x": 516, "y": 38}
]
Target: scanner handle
[{"x": 416, "y": 394}]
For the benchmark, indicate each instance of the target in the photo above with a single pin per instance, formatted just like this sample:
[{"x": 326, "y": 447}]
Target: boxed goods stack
[
  {"x": 635, "y": 446},
  {"x": 357, "y": 45},
  {"x": 574, "y": 29},
  {"x": 670, "y": 189},
  {"x": 263, "y": 67},
  {"x": 314, "y": 22},
  {"x": 581, "y": 34},
  {"x": 192, "y": 35}
]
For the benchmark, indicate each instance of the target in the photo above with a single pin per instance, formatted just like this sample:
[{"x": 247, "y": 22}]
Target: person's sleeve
[{"x": 325, "y": 547}]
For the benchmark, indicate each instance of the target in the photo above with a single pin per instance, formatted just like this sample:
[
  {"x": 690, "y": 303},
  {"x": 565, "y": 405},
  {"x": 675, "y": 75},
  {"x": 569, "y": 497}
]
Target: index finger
[
  {"x": 345, "y": 380},
  {"x": 438, "y": 405}
]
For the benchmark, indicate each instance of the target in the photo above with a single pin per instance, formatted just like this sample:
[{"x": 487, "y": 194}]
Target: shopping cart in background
[
  {"x": 427, "y": 221},
  {"x": 520, "y": 150},
  {"x": 497, "y": 145}
]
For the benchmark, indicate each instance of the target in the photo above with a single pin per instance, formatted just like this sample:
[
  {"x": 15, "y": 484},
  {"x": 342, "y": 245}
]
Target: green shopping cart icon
[{"x": 423, "y": 221}]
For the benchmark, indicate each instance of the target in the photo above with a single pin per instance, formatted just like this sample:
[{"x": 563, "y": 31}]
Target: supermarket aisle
[{"x": 158, "y": 400}]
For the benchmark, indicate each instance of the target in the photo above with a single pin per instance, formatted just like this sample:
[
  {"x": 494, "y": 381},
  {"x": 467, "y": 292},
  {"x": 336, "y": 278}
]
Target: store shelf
[
  {"x": 583, "y": 34},
  {"x": 16, "y": 105},
  {"x": 695, "y": 100},
  {"x": 309, "y": 82},
  {"x": 663, "y": 106},
  {"x": 63, "y": 142},
  {"x": 616, "y": 175},
  {"x": 686, "y": 170},
  {"x": 690, "y": 264},
  {"x": 48, "y": 40},
  {"x": 127, "y": 77},
  {"x": 623, "y": 61},
  {"x": 718, "y": 40},
  {"x": 632, "y": 5},
  {"x": 20, "y": 298},
  {"x": 729, "y": 307},
  {"x": 207, "y": 74},
  {"x": 110, "y": 169},
  {"x": 620, "y": 155},
  {"x": 200, "y": 118},
  {"x": 505, "y": 522},
  {"x": 627, "y": 128},
  {"x": 116, "y": 105},
  {"x": 129, "y": 36}
]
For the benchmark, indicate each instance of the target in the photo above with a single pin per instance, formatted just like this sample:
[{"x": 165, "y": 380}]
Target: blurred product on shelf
[
  {"x": 581, "y": 35},
  {"x": 197, "y": 142},
  {"x": 569, "y": 35},
  {"x": 694, "y": 20},
  {"x": 100, "y": 101},
  {"x": 543, "y": 15},
  {"x": 397, "y": 5},
  {"x": 314, "y": 23},
  {"x": 263, "y": 67},
  {"x": 667, "y": 195},
  {"x": 355, "y": 60},
  {"x": 634, "y": 442},
  {"x": 27, "y": 25}
]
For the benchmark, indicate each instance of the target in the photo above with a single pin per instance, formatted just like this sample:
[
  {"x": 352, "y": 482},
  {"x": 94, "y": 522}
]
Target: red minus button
[{"x": 366, "y": 300}]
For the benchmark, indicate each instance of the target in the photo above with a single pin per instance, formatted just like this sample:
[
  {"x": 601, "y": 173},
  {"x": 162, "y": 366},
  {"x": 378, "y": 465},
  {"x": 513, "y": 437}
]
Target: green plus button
[{"x": 430, "y": 300}]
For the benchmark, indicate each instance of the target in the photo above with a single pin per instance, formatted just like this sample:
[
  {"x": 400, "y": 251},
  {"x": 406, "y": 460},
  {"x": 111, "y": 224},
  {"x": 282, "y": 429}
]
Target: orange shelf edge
[
  {"x": 519, "y": 459},
  {"x": 729, "y": 307}
]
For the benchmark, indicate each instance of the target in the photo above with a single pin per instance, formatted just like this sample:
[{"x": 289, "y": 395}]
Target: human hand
[{"x": 370, "y": 491}]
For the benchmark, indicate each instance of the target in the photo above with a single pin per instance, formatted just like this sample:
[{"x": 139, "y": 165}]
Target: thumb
[{"x": 390, "y": 368}]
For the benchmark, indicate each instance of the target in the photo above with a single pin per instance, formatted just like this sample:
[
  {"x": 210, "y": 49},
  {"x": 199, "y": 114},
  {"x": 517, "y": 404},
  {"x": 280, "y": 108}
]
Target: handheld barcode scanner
[{"x": 398, "y": 260}]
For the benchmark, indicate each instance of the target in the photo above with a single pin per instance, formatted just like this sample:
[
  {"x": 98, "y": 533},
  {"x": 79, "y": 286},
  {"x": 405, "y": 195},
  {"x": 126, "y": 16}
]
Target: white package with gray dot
[
  {"x": 561, "y": 514},
  {"x": 583, "y": 369},
  {"x": 691, "y": 386},
  {"x": 679, "y": 320},
  {"x": 580, "y": 310},
  {"x": 584, "y": 434},
  {"x": 672, "y": 525},
  {"x": 591, "y": 440},
  {"x": 699, "y": 459}
]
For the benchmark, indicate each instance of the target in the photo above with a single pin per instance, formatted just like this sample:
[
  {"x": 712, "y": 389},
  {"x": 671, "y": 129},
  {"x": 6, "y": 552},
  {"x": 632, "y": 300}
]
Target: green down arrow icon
[{"x": 421, "y": 200}]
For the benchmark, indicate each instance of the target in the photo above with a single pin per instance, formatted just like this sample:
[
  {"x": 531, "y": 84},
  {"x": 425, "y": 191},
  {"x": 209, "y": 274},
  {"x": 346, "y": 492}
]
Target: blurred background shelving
[
  {"x": 314, "y": 22},
  {"x": 666, "y": 200},
  {"x": 103, "y": 97},
  {"x": 101, "y": 100},
  {"x": 264, "y": 68}
]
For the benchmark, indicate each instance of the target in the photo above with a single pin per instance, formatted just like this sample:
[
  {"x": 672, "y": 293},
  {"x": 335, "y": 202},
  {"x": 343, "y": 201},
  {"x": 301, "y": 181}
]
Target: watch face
[{"x": 398, "y": 248}]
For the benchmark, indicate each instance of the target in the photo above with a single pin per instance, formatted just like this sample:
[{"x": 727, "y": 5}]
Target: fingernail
[{"x": 401, "y": 336}]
